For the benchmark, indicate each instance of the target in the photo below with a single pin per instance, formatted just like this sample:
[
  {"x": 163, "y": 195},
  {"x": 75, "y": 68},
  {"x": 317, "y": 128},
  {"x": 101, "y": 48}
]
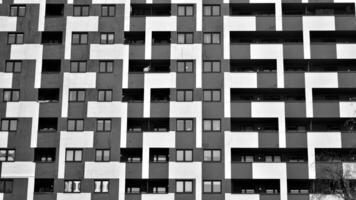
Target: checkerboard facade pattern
[{"x": 175, "y": 99}]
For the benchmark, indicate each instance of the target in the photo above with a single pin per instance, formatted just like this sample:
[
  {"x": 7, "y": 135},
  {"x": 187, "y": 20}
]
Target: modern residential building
[{"x": 177, "y": 99}]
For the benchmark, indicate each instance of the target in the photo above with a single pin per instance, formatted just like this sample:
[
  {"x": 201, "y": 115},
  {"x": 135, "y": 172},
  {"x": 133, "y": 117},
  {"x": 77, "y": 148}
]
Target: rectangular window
[
  {"x": 185, "y": 66},
  {"x": 103, "y": 125},
  {"x": 104, "y": 95},
  {"x": 15, "y": 38},
  {"x": 7, "y": 155},
  {"x": 184, "y": 186},
  {"x": 211, "y": 38},
  {"x": 185, "y": 38},
  {"x": 45, "y": 154},
  {"x": 54, "y": 10},
  {"x": 107, "y": 38},
  {"x": 211, "y": 10},
  {"x": 184, "y": 95},
  {"x": 78, "y": 66},
  {"x": 211, "y": 125},
  {"x": 211, "y": 186},
  {"x": 211, "y": 95},
  {"x": 212, "y": 155},
  {"x": 102, "y": 155},
  {"x": 51, "y": 37},
  {"x": 6, "y": 186},
  {"x": 211, "y": 66},
  {"x": 76, "y": 95},
  {"x": 9, "y": 125},
  {"x": 11, "y": 95},
  {"x": 106, "y": 66},
  {"x": 18, "y": 10},
  {"x": 80, "y": 10},
  {"x": 13, "y": 66},
  {"x": 108, "y": 11},
  {"x": 72, "y": 186},
  {"x": 184, "y": 125},
  {"x": 75, "y": 125},
  {"x": 183, "y": 155},
  {"x": 51, "y": 66},
  {"x": 185, "y": 10},
  {"x": 101, "y": 186},
  {"x": 79, "y": 38},
  {"x": 74, "y": 155}
]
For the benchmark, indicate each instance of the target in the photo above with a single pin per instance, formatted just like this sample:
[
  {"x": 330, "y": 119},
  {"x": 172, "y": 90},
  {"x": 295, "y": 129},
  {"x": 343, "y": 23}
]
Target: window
[
  {"x": 105, "y": 95},
  {"x": 185, "y": 10},
  {"x": 11, "y": 95},
  {"x": 72, "y": 186},
  {"x": 184, "y": 186},
  {"x": 102, "y": 155},
  {"x": 101, "y": 186},
  {"x": 211, "y": 125},
  {"x": 161, "y": 38},
  {"x": 108, "y": 11},
  {"x": 75, "y": 125},
  {"x": 212, "y": 155},
  {"x": 6, "y": 186},
  {"x": 44, "y": 185},
  {"x": 132, "y": 95},
  {"x": 45, "y": 154},
  {"x": 211, "y": 95},
  {"x": 103, "y": 125},
  {"x": 9, "y": 125},
  {"x": 211, "y": 10},
  {"x": 130, "y": 155},
  {"x": 76, "y": 95},
  {"x": 185, "y": 38},
  {"x": 185, "y": 66},
  {"x": 184, "y": 95},
  {"x": 106, "y": 66},
  {"x": 48, "y": 95},
  {"x": 160, "y": 95},
  {"x": 74, "y": 155},
  {"x": 7, "y": 155},
  {"x": 184, "y": 125},
  {"x": 47, "y": 124},
  {"x": 134, "y": 38},
  {"x": 81, "y": 10},
  {"x": 211, "y": 66},
  {"x": 54, "y": 10},
  {"x": 159, "y": 155},
  {"x": 184, "y": 155},
  {"x": 78, "y": 66},
  {"x": 18, "y": 10},
  {"x": 212, "y": 186},
  {"x": 107, "y": 38},
  {"x": 51, "y": 37},
  {"x": 13, "y": 66},
  {"x": 79, "y": 38},
  {"x": 15, "y": 38},
  {"x": 51, "y": 66},
  {"x": 211, "y": 38}
]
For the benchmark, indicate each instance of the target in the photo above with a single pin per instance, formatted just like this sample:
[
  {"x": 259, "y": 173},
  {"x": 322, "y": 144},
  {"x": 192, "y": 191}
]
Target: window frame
[
  {"x": 74, "y": 150},
  {"x": 17, "y": 10},
  {"x": 9, "y": 121},
  {"x": 107, "y": 41},
  {"x": 185, "y": 7},
  {"x": 212, "y": 186},
  {"x": 108, "y": 14},
  {"x": 76, "y": 128},
  {"x": 184, "y": 62},
  {"x": 211, "y": 62},
  {"x": 104, "y": 129},
  {"x": 211, "y": 154},
  {"x": 184, "y": 182},
  {"x": 7, "y": 155},
  {"x": 80, "y": 38},
  {"x": 185, "y": 91},
  {"x": 185, "y": 37},
  {"x": 211, "y": 129},
  {"x": 211, "y": 91},
  {"x": 101, "y": 185},
  {"x": 77, "y": 91},
  {"x": 11, "y": 97},
  {"x": 211, "y": 8},
  {"x": 106, "y": 92},
  {"x": 16, "y": 38},
  {"x": 184, "y": 151},
  {"x": 81, "y": 11},
  {"x": 79, "y": 66},
  {"x": 211, "y": 36},
  {"x": 5, "y": 184},
  {"x": 13, "y": 66},
  {"x": 184, "y": 124},
  {"x": 102, "y": 153},
  {"x": 73, "y": 185},
  {"x": 106, "y": 66}
]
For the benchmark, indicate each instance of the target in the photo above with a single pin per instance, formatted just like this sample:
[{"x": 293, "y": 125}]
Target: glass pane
[
  {"x": 99, "y": 155},
  {"x": 188, "y": 155},
  {"x": 207, "y": 155},
  {"x": 216, "y": 186},
  {"x": 7, "y": 96},
  {"x": 2, "y": 155},
  {"x": 85, "y": 11},
  {"x": 216, "y": 38},
  {"x": 189, "y": 95},
  {"x": 189, "y": 38},
  {"x": 68, "y": 186},
  {"x": 103, "y": 38},
  {"x": 180, "y": 38},
  {"x": 101, "y": 95},
  {"x": 179, "y": 186},
  {"x": 207, "y": 95},
  {"x": 71, "y": 125},
  {"x": 188, "y": 66},
  {"x": 216, "y": 125},
  {"x": 181, "y": 10},
  {"x": 189, "y": 125},
  {"x": 216, "y": 66},
  {"x": 216, "y": 10},
  {"x": 97, "y": 186},
  {"x": 19, "y": 38},
  {"x": 106, "y": 155},
  {"x": 9, "y": 66},
  {"x": 207, "y": 186},
  {"x": 11, "y": 155},
  {"x": 216, "y": 95},
  {"x": 207, "y": 10},
  {"x": 76, "y": 186},
  {"x": 75, "y": 38},
  {"x": 180, "y": 155},
  {"x": 207, "y": 67},
  {"x": 207, "y": 125},
  {"x": 188, "y": 186},
  {"x": 84, "y": 39},
  {"x": 111, "y": 11},
  {"x": 109, "y": 67},
  {"x": 107, "y": 126},
  {"x": 105, "y": 186},
  {"x": 5, "y": 125},
  {"x": 180, "y": 125},
  {"x": 100, "y": 125},
  {"x": 72, "y": 95},
  {"x": 17, "y": 67},
  {"x": 207, "y": 38},
  {"x": 80, "y": 125},
  {"x": 180, "y": 66},
  {"x": 81, "y": 95},
  {"x": 15, "y": 95},
  {"x": 180, "y": 95},
  {"x": 216, "y": 155},
  {"x": 102, "y": 66},
  {"x": 11, "y": 38},
  {"x": 189, "y": 11},
  {"x": 82, "y": 66},
  {"x": 13, "y": 11},
  {"x": 111, "y": 38},
  {"x": 78, "y": 155},
  {"x": 104, "y": 11},
  {"x": 13, "y": 125},
  {"x": 69, "y": 155},
  {"x": 76, "y": 11}
]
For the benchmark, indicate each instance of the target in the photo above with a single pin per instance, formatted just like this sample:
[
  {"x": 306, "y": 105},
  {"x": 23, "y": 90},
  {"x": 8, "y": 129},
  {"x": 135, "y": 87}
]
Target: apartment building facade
[{"x": 177, "y": 99}]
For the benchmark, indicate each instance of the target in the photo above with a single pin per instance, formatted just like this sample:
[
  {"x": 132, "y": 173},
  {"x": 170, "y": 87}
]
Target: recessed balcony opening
[
  {"x": 138, "y": 66},
  {"x": 156, "y": 9},
  {"x": 49, "y": 124},
  {"x": 132, "y": 95},
  {"x": 335, "y": 155},
  {"x": 268, "y": 155},
  {"x": 51, "y": 66},
  {"x": 333, "y": 94},
  {"x": 161, "y": 38},
  {"x": 321, "y": 124},
  {"x": 138, "y": 186},
  {"x": 320, "y": 65},
  {"x": 253, "y": 65},
  {"x": 254, "y": 124},
  {"x": 263, "y": 186},
  {"x": 131, "y": 155},
  {"x": 134, "y": 38},
  {"x": 148, "y": 124},
  {"x": 159, "y": 155},
  {"x": 52, "y": 37},
  {"x": 44, "y": 185},
  {"x": 48, "y": 95},
  {"x": 254, "y": 9},
  {"x": 158, "y": 186},
  {"x": 45, "y": 154},
  {"x": 267, "y": 95},
  {"x": 332, "y": 36},
  {"x": 54, "y": 10},
  {"x": 318, "y": 9},
  {"x": 299, "y": 186},
  {"x": 261, "y": 37},
  {"x": 160, "y": 95}
]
